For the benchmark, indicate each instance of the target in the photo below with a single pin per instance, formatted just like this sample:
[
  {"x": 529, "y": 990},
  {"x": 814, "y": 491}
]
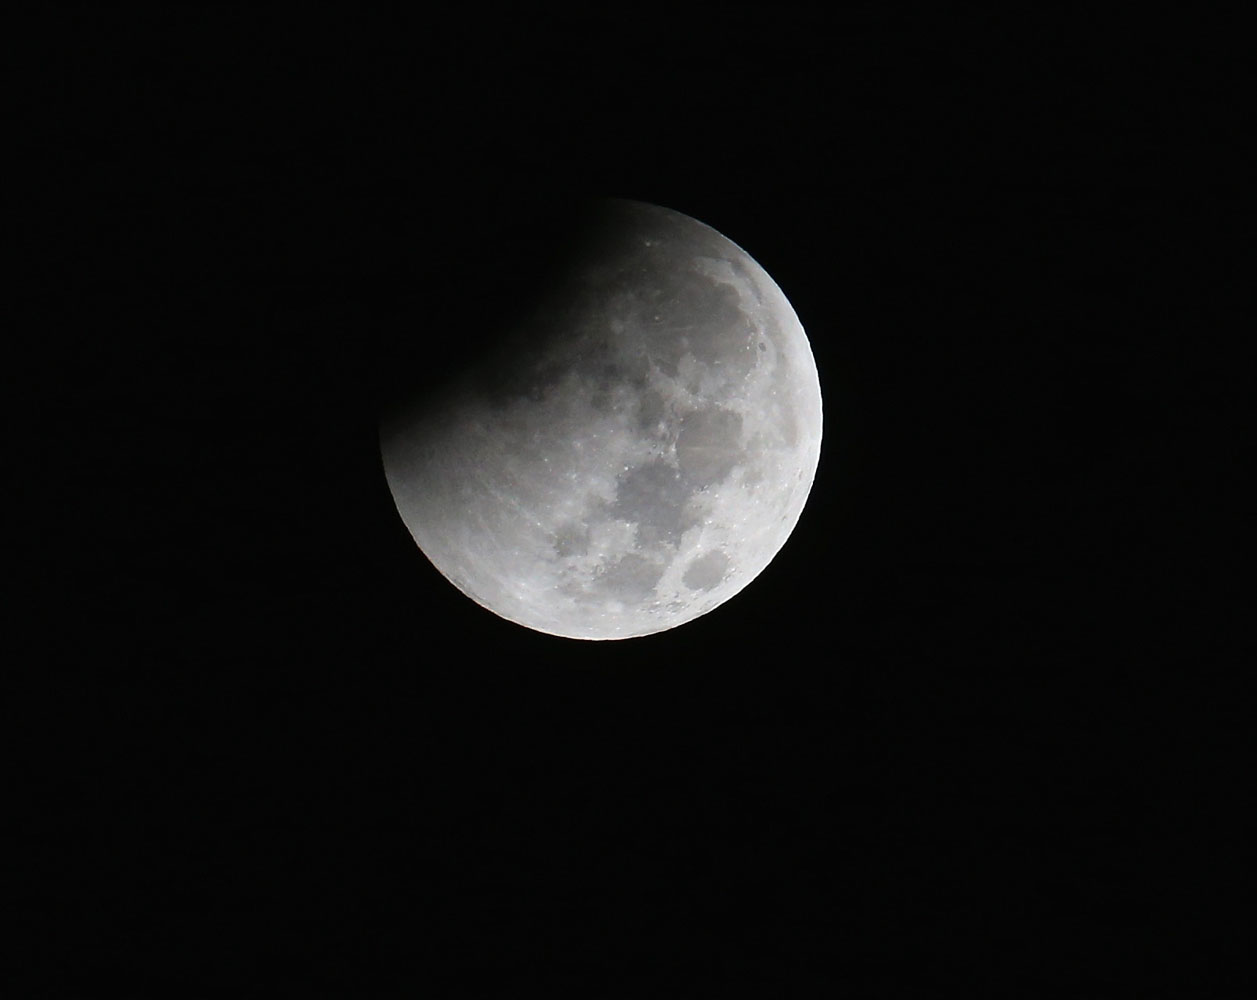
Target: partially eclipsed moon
[{"x": 638, "y": 450}]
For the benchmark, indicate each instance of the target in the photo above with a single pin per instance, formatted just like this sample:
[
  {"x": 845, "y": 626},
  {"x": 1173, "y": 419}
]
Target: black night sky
[{"x": 969, "y": 729}]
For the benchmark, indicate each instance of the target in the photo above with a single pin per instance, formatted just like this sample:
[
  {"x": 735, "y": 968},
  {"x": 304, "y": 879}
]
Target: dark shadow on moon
[{"x": 481, "y": 271}]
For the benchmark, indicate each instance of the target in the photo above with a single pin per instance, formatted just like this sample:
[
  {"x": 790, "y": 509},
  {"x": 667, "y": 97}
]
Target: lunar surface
[{"x": 634, "y": 454}]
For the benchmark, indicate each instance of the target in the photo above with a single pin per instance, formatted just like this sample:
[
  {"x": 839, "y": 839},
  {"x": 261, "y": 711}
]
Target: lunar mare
[{"x": 638, "y": 451}]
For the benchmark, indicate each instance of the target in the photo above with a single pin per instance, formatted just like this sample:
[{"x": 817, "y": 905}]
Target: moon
[{"x": 634, "y": 452}]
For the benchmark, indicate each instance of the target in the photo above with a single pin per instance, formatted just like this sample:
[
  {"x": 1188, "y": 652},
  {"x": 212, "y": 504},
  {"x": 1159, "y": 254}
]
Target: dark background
[{"x": 971, "y": 728}]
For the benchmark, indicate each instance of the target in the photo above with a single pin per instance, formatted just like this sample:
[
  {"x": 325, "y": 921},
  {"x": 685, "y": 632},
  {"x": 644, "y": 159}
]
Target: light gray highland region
[{"x": 639, "y": 452}]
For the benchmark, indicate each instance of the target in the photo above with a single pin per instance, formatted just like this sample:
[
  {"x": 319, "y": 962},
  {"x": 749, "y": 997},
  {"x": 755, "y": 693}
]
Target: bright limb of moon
[{"x": 636, "y": 453}]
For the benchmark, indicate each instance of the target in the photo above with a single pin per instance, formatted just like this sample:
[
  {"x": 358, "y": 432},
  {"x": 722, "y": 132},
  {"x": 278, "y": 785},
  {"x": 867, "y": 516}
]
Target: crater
[
  {"x": 631, "y": 579},
  {"x": 654, "y": 495},
  {"x": 706, "y": 572},
  {"x": 651, "y": 410},
  {"x": 709, "y": 445},
  {"x": 692, "y": 311},
  {"x": 571, "y": 539}
]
